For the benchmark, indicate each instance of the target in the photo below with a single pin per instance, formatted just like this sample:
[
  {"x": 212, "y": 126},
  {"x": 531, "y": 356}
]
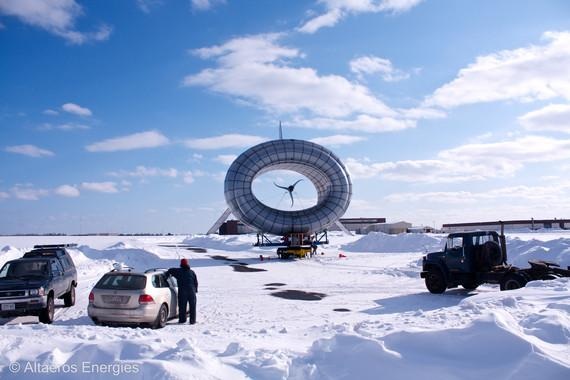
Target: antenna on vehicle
[{"x": 280, "y": 131}]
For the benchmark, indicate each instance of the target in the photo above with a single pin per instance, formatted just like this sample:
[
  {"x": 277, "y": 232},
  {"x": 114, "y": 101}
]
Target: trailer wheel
[
  {"x": 435, "y": 281},
  {"x": 513, "y": 281}
]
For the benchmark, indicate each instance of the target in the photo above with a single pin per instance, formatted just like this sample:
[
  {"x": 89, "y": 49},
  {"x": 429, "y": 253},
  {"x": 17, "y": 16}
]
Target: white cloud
[
  {"x": 225, "y": 141},
  {"x": 256, "y": 69},
  {"x": 188, "y": 177},
  {"x": 149, "y": 139},
  {"x": 50, "y": 112},
  {"x": 100, "y": 187},
  {"x": 55, "y": 16},
  {"x": 361, "y": 123},
  {"x": 4, "y": 195},
  {"x": 330, "y": 18},
  {"x": 143, "y": 171},
  {"x": 338, "y": 9},
  {"x": 337, "y": 140},
  {"x": 521, "y": 150},
  {"x": 554, "y": 117},
  {"x": 225, "y": 159},
  {"x": 63, "y": 127},
  {"x": 368, "y": 65},
  {"x": 28, "y": 193},
  {"x": 29, "y": 150},
  {"x": 146, "y": 5},
  {"x": 76, "y": 109},
  {"x": 522, "y": 192},
  {"x": 67, "y": 191},
  {"x": 525, "y": 74},
  {"x": 204, "y": 5},
  {"x": 469, "y": 162}
]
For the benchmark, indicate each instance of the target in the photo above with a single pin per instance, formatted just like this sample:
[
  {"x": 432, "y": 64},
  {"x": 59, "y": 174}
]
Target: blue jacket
[{"x": 186, "y": 278}]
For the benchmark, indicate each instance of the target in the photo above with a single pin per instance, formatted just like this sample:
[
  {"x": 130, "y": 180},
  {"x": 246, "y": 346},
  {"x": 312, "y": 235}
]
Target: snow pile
[
  {"x": 222, "y": 243},
  {"x": 377, "y": 320},
  {"x": 381, "y": 242},
  {"x": 490, "y": 347},
  {"x": 9, "y": 253},
  {"x": 136, "y": 258},
  {"x": 519, "y": 252}
]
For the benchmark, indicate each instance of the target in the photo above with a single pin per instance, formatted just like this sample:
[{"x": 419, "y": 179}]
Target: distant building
[
  {"x": 388, "y": 228},
  {"x": 234, "y": 227},
  {"x": 531, "y": 224},
  {"x": 357, "y": 225}
]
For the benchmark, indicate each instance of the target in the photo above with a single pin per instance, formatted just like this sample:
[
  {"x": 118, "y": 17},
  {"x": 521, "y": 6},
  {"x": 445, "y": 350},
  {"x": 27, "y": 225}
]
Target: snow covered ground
[{"x": 385, "y": 326}]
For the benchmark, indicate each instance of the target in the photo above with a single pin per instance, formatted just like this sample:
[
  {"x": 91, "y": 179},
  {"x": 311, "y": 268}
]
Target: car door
[
  {"x": 173, "y": 288},
  {"x": 58, "y": 281}
]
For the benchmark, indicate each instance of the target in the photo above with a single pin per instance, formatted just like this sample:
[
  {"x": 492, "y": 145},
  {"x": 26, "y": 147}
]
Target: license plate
[
  {"x": 8, "y": 306},
  {"x": 116, "y": 300}
]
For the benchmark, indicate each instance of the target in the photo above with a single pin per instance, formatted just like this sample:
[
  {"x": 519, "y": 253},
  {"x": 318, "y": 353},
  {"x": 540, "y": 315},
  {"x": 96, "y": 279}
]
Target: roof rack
[
  {"x": 155, "y": 270},
  {"x": 53, "y": 246}
]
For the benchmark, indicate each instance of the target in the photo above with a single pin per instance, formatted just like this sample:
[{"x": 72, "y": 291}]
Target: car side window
[
  {"x": 155, "y": 281},
  {"x": 56, "y": 267}
]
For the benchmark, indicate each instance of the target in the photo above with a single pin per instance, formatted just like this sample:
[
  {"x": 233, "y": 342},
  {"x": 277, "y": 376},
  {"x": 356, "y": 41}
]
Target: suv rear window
[{"x": 122, "y": 282}]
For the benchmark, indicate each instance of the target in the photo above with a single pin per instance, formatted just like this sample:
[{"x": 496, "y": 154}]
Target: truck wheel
[
  {"x": 470, "y": 285},
  {"x": 513, "y": 281},
  {"x": 46, "y": 315},
  {"x": 435, "y": 282},
  {"x": 69, "y": 297}
]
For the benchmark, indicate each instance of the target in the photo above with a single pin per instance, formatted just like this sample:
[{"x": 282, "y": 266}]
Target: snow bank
[
  {"x": 520, "y": 251},
  {"x": 136, "y": 258},
  {"x": 490, "y": 347},
  {"x": 9, "y": 253},
  {"x": 223, "y": 243},
  {"x": 381, "y": 242}
]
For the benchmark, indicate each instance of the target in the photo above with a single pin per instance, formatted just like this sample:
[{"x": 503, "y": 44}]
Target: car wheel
[
  {"x": 513, "y": 281},
  {"x": 161, "y": 318},
  {"x": 69, "y": 297},
  {"x": 435, "y": 282},
  {"x": 46, "y": 315}
]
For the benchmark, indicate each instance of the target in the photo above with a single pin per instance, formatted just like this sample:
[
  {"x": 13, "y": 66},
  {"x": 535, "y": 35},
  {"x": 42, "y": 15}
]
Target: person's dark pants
[{"x": 185, "y": 298}]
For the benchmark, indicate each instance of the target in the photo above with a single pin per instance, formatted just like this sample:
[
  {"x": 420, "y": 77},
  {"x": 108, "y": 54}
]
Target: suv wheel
[
  {"x": 161, "y": 318},
  {"x": 46, "y": 315},
  {"x": 69, "y": 297},
  {"x": 435, "y": 282},
  {"x": 513, "y": 281}
]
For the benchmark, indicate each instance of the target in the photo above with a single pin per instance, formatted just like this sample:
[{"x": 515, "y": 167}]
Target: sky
[{"x": 124, "y": 116}]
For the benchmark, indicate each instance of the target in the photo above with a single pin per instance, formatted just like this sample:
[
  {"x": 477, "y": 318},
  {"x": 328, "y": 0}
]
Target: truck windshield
[
  {"x": 122, "y": 282},
  {"x": 25, "y": 269}
]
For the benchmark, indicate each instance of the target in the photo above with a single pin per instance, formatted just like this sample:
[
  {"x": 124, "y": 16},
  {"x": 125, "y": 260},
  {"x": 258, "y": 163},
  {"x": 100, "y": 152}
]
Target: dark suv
[{"x": 30, "y": 285}]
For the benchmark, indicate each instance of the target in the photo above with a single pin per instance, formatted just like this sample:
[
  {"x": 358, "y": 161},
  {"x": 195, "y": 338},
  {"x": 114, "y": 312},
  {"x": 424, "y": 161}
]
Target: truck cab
[{"x": 464, "y": 257}]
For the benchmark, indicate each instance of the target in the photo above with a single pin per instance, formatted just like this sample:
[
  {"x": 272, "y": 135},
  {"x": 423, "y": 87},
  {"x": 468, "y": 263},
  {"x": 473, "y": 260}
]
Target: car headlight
[{"x": 37, "y": 292}]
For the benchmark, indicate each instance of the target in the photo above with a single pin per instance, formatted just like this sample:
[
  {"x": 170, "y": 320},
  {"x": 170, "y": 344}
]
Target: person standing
[{"x": 187, "y": 289}]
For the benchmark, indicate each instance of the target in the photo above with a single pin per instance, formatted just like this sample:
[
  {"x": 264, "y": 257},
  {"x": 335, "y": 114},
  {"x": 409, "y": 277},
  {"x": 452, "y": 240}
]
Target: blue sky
[{"x": 123, "y": 116}]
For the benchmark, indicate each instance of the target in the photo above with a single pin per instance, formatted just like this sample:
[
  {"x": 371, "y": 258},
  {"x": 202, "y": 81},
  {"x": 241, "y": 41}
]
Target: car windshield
[
  {"x": 25, "y": 269},
  {"x": 122, "y": 282}
]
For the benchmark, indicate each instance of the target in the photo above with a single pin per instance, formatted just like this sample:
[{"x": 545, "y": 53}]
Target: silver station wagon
[{"x": 125, "y": 298}]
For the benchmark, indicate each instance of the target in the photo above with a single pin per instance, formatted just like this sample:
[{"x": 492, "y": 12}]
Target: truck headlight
[{"x": 37, "y": 292}]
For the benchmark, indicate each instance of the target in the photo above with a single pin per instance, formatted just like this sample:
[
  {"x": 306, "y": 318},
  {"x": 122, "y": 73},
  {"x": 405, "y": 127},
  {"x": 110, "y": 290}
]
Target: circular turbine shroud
[{"x": 322, "y": 167}]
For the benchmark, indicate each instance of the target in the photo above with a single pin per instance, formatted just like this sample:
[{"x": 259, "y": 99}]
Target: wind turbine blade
[
  {"x": 292, "y": 201},
  {"x": 281, "y": 187},
  {"x": 295, "y": 184}
]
